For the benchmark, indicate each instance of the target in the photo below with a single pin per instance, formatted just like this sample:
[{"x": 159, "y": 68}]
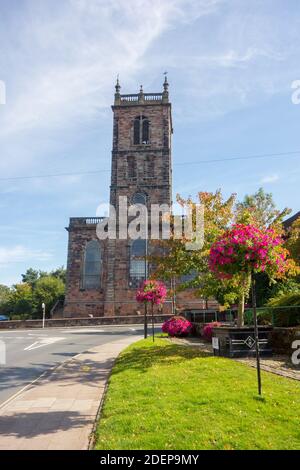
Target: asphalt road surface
[{"x": 29, "y": 353}]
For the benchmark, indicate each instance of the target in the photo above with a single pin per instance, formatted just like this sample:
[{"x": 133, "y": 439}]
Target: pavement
[
  {"x": 58, "y": 411},
  {"x": 29, "y": 353}
]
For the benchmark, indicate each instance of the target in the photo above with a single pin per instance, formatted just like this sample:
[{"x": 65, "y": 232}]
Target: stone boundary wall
[{"x": 64, "y": 322}]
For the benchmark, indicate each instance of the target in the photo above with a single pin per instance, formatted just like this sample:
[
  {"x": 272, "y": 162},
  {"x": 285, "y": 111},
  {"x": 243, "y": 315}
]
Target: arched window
[
  {"x": 145, "y": 131},
  {"x": 138, "y": 263},
  {"x": 136, "y": 137},
  {"x": 141, "y": 130},
  {"x": 92, "y": 266},
  {"x": 139, "y": 198},
  {"x": 131, "y": 167}
]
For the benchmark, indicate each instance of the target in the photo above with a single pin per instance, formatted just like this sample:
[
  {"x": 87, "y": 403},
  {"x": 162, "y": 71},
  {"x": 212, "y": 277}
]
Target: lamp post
[
  {"x": 44, "y": 313},
  {"x": 146, "y": 277},
  {"x": 256, "y": 333},
  {"x": 145, "y": 322},
  {"x": 152, "y": 312}
]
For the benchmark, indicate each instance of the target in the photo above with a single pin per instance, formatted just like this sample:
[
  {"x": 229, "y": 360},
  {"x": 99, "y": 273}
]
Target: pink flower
[
  {"x": 246, "y": 247},
  {"x": 152, "y": 291},
  {"x": 177, "y": 326}
]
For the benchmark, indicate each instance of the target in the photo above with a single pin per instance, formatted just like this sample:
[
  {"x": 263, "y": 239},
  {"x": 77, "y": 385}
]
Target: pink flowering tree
[
  {"x": 151, "y": 292},
  {"x": 246, "y": 249}
]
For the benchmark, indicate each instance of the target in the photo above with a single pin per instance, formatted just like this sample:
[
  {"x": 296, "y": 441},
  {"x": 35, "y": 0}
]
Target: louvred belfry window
[{"x": 141, "y": 131}]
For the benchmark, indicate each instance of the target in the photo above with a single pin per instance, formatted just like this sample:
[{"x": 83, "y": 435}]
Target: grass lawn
[{"x": 166, "y": 397}]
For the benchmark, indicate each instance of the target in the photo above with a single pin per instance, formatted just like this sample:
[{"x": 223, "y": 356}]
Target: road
[{"x": 29, "y": 353}]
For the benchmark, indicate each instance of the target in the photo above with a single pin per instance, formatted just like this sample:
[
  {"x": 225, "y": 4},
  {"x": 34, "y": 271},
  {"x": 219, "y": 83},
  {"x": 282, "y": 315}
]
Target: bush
[
  {"x": 177, "y": 326},
  {"x": 23, "y": 308},
  {"x": 208, "y": 330},
  {"x": 286, "y": 316},
  {"x": 283, "y": 310}
]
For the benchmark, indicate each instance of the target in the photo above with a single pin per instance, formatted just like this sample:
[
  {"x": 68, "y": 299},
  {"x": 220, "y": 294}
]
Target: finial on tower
[
  {"x": 118, "y": 87},
  {"x": 166, "y": 88},
  {"x": 117, "y": 94},
  {"x": 166, "y": 84},
  {"x": 141, "y": 94}
]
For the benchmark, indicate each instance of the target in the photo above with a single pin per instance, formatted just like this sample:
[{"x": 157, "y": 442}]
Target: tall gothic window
[
  {"x": 141, "y": 134},
  {"x": 92, "y": 266},
  {"x": 138, "y": 263},
  {"x": 137, "y": 134}
]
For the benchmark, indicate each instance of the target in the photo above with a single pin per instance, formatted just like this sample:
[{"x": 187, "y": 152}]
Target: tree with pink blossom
[
  {"x": 151, "y": 292},
  {"x": 244, "y": 250}
]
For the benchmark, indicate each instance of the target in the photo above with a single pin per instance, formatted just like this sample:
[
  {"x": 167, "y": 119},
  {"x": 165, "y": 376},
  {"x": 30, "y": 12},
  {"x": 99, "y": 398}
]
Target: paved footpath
[{"x": 59, "y": 410}]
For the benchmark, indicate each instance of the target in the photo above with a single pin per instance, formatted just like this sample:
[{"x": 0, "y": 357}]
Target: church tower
[
  {"x": 103, "y": 274},
  {"x": 141, "y": 171},
  {"x": 141, "y": 154}
]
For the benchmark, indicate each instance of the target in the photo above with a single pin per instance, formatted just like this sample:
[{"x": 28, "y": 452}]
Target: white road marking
[
  {"x": 13, "y": 337},
  {"x": 87, "y": 330},
  {"x": 42, "y": 342},
  {"x": 39, "y": 335}
]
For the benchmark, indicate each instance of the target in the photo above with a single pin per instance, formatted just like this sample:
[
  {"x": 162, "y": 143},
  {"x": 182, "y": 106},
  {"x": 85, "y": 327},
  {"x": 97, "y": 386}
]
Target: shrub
[
  {"x": 23, "y": 308},
  {"x": 282, "y": 315},
  {"x": 208, "y": 330},
  {"x": 177, "y": 326}
]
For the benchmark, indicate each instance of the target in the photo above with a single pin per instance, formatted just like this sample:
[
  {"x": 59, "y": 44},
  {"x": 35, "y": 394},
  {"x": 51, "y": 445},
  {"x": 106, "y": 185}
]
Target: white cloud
[
  {"x": 63, "y": 64},
  {"x": 20, "y": 253},
  {"x": 270, "y": 178},
  {"x": 72, "y": 58}
]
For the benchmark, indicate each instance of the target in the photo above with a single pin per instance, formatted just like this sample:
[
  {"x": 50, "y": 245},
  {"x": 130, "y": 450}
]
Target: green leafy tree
[
  {"x": 23, "y": 308},
  {"x": 175, "y": 260},
  {"x": 48, "y": 289},
  {"x": 32, "y": 275},
  {"x": 259, "y": 209},
  {"x": 60, "y": 273},
  {"x": 21, "y": 291},
  {"x": 5, "y": 304},
  {"x": 293, "y": 241},
  {"x": 21, "y": 300},
  {"x": 4, "y": 293}
]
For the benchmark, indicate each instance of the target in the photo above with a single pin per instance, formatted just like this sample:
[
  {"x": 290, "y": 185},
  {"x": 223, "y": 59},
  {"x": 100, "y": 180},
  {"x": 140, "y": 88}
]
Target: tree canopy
[{"x": 24, "y": 300}]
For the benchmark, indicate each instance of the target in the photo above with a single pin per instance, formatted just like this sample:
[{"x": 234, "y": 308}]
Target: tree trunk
[
  {"x": 173, "y": 288},
  {"x": 245, "y": 286},
  {"x": 241, "y": 310}
]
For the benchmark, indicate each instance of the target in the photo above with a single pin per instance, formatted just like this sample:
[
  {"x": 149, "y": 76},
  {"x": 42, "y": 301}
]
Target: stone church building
[{"x": 103, "y": 275}]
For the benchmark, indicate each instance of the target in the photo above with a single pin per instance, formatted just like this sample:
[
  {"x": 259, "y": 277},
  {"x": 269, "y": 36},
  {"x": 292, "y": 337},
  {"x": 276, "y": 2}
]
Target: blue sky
[{"x": 231, "y": 64}]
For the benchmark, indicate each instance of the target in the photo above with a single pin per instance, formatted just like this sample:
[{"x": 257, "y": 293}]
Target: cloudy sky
[{"x": 231, "y": 65}]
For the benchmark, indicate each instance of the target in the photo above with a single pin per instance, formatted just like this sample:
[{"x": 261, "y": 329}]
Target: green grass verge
[{"x": 167, "y": 397}]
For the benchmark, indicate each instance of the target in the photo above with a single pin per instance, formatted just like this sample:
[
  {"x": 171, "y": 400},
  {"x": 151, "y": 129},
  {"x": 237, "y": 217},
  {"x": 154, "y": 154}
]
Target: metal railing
[
  {"x": 286, "y": 316},
  {"x": 283, "y": 316},
  {"x": 208, "y": 316}
]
